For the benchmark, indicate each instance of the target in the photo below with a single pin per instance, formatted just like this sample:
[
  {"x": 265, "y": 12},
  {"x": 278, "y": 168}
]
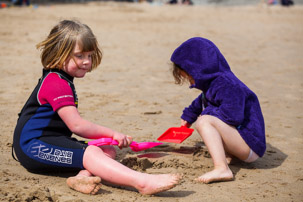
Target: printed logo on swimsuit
[{"x": 43, "y": 152}]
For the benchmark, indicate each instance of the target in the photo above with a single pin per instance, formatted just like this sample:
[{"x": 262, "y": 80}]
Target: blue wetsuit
[{"x": 42, "y": 141}]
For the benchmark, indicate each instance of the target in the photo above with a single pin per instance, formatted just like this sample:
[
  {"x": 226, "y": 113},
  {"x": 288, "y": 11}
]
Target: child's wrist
[{"x": 112, "y": 134}]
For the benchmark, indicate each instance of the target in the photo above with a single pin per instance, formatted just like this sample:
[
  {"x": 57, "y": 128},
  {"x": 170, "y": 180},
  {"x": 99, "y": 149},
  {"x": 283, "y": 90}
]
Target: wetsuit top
[
  {"x": 224, "y": 95},
  {"x": 38, "y": 118}
]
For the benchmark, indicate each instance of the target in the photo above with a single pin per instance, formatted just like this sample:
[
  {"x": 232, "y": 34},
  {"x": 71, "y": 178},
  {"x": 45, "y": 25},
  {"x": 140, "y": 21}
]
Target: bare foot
[
  {"x": 216, "y": 175},
  {"x": 158, "y": 183},
  {"x": 85, "y": 184}
]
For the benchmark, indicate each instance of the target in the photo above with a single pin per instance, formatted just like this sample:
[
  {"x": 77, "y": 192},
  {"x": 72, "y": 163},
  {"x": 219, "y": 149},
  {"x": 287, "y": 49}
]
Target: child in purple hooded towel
[{"x": 227, "y": 113}]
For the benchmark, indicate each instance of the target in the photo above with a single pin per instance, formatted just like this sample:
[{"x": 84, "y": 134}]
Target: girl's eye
[{"x": 79, "y": 56}]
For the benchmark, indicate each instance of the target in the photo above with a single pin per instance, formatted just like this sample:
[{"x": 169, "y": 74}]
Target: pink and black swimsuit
[{"x": 42, "y": 141}]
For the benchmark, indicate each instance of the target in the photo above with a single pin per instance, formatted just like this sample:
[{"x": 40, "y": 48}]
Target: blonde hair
[{"x": 59, "y": 44}]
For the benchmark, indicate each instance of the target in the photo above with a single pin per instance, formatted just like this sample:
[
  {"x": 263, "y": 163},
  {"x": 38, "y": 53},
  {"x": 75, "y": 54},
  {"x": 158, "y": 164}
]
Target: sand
[{"x": 133, "y": 92}]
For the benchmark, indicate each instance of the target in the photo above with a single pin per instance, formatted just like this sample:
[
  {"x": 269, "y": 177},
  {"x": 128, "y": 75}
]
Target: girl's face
[{"x": 78, "y": 63}]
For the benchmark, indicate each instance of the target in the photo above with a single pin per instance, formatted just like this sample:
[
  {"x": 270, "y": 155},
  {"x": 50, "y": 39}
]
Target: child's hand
[
  {"x": 124, "y": 141},
  {"x": 185, "y": 123}
]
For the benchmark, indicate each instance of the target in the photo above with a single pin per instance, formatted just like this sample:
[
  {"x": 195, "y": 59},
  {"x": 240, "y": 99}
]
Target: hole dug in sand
[{"x": 183, "y": 158}]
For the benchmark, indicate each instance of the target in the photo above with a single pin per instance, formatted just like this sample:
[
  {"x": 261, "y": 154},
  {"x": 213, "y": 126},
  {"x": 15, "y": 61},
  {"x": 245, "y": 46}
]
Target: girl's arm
[
  {"x": 87, "y": 129},
  {"x": 191, "y": 113}
]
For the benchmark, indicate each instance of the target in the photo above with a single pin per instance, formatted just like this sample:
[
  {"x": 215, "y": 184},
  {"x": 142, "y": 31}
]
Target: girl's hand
[
  {"x": 124, "y": 141},
  {"x": 185, "y": 123}
]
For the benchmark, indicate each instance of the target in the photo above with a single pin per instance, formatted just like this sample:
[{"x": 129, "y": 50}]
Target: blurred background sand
[{"x": 263, "y": 45}]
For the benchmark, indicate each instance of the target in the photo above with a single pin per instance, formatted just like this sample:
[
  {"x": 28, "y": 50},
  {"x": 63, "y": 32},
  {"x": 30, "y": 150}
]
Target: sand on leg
[{"x": 84, "y": 181}]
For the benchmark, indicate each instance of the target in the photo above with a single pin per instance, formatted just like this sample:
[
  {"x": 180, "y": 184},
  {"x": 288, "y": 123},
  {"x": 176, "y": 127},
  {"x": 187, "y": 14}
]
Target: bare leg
[
  {"x": 99, "y": 164},
  {"x": 84, "y": 182},
  {"x": 220, "y": 138},
  {"x": 228, "y": 157},
  {"x": 109, "y": 151}
]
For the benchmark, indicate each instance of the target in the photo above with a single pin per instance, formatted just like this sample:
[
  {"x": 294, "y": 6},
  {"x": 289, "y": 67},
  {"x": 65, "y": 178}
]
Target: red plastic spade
[
  {"x": 176, "y": 134},
  {"x": 135, "y": 146}
]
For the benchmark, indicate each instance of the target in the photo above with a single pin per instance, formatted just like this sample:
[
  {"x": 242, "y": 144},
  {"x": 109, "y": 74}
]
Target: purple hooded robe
[{"x": 224, "y": 95}]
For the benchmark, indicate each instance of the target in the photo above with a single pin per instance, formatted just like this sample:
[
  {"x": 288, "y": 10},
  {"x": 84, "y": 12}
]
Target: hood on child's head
[{"x": 201, "y": 59}]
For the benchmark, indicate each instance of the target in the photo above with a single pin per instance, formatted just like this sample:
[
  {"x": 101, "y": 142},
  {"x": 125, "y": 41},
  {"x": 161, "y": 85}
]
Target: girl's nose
[{"x": 87, "y": 60}]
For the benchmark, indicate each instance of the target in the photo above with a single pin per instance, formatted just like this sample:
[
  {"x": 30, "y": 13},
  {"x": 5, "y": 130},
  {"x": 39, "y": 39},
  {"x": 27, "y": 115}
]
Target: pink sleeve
[{"x": 56, "y": 92}]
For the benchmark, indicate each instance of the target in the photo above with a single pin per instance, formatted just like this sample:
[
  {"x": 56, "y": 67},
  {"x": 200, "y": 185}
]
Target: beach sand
[{"x": 133, "y": 92}]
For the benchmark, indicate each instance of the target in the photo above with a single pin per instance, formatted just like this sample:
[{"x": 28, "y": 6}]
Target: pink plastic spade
[{"x": 135, "y": 146}]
